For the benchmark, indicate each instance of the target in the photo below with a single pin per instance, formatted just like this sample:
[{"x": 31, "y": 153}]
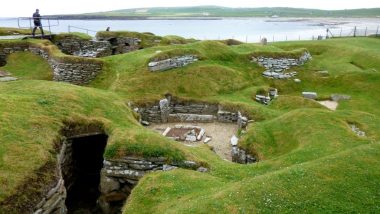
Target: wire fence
[{"x": 354, "y": 32}]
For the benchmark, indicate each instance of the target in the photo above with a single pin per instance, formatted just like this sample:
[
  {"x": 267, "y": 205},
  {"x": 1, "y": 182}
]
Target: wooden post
[
  {"x": 365, "y": 33},
  {"x": 355, "y": 31},
  {"x": 341, "y": 32}
]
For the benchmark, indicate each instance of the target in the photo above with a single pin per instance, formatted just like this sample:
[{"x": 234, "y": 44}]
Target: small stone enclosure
[
  {"x": 102, "y": 46},
  {"x": 175, "y": 110}
]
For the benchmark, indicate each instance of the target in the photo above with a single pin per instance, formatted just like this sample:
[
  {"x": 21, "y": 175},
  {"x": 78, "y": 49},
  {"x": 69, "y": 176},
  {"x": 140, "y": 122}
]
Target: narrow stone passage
[{"x": 82, "y": 174}]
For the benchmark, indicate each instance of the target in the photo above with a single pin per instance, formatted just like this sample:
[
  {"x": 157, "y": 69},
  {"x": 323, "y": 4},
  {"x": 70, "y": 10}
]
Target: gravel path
[{"x": 220, "y": 133}]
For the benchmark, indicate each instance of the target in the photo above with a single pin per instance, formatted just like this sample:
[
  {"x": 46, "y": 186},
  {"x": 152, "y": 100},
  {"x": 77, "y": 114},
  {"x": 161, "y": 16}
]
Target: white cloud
[{"x": 26, "y": 7}]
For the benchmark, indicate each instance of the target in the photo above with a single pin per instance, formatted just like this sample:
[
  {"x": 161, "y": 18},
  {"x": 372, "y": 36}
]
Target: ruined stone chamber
[
  {"x": 86, "y": 182},
  {"x": 77, "y": 71},
  {"x": 101, "y": 46},
  {"x": 173, "y": 110}
]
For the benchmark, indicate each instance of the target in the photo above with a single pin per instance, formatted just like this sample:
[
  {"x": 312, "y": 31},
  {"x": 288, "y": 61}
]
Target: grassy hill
[
  {"x": 215, "y": 11},
  {"x": 310, "y": 160}
]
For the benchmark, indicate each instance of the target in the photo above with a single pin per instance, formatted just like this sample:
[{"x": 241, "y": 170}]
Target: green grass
[
  {"x": 7, "y": 31},
  {"x": 25, "y": 65},
  {"x": 310, "y": 160}
]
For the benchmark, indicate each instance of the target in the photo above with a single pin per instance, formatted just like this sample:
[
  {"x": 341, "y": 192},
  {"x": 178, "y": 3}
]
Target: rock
[
  {"x": 7, "y": 79},
  {"x": 310, "y": 95},
  {"x": 115, "y": 196},
  {"x": 323, "y": 72},
  {"x": 339, "y": 97},
  {"x": 202, "y": 169},
  {"x": 108, "y": 184},
  {"x": 234, "y": 141},
  {"x": 189, "y": 164},
  {"x": 145, "y": 123},
  {"x": 264, "y": 41},
  {"x": 175, "y": 62},
  {"x": 168, "y": 167},
  {"x": 191, "y": 138},
  {"x": 4, "y": 74},
  {"x": 297, "y": 80},
  {"x": 273, "y": 93},
  {"x": 208, "y": 139},
  {"x": 167, "y": 130}
]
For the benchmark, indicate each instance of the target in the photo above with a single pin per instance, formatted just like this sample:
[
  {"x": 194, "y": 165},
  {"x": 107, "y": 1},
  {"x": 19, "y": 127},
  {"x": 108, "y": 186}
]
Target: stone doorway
[{"x": 81, "y": 172}]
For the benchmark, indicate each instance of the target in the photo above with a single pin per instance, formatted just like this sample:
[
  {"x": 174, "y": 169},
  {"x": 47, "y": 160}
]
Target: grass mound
[
  {"x": 310, "y": 159},
  {"x": 26, "y": 65}
]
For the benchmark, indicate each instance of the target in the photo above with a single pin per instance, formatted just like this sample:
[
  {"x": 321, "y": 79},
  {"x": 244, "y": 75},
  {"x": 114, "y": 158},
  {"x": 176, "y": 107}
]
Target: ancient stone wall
[
  {"x": 54, "y": 200},
  {"x": 180, "y": 111},
  {"x": 119, "y": 177},
  {"x": 241, "y": 156},
  {"x": 277, "y": 67},
  {"x": 84, "y": 48},
  {"x": 77, "y": 72},
  {"x": 121, "y": 45},
  {"x": 175, "y": 62}
]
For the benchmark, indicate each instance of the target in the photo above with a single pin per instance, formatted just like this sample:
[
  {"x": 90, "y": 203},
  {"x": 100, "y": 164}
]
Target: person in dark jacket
[{"x": 37, "y": 22}]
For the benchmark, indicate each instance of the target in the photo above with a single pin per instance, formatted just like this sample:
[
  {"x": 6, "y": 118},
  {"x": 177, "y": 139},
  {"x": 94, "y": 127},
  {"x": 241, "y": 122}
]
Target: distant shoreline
[{"x": 268, "y": 19}]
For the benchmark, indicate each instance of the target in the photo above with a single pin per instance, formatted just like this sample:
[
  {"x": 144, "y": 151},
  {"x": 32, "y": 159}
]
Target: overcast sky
[{"x": 14, "y": 8}]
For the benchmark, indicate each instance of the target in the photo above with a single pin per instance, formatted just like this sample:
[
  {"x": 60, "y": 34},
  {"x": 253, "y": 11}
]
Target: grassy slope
[
  {"x": 32, "y": 113},
  {"x": 215, "y": 11},
  {"x": 31, "y": 67},
  {"x": 303, "y": 146}
]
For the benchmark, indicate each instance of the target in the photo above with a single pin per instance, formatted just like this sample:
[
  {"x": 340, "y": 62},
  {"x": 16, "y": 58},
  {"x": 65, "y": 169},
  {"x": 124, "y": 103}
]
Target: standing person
[{"x": 37, "y": 22}]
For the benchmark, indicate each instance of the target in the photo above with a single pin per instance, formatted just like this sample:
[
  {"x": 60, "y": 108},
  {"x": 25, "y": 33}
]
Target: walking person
[{"x": 37, "y": 23}]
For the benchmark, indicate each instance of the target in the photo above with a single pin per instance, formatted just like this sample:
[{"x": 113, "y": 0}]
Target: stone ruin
[
  {"x": 85, "y": 182},
  {"x": 174, "y": 110},
  {"x": 99, "y": 47},
  {"x": 356, "y": 130},
  {"x": 277, "y": 67},
  {"x": 185, "y": 133},
  {"x": 175, "y": 62},
  {"x": 272, "y": 94},
  {"x": 310, "y": 95}
]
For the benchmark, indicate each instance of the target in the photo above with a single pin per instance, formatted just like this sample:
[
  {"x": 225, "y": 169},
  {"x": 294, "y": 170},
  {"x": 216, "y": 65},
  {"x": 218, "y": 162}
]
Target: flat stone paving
[
  {"x": 221, "y": 134},
  {"x": 13, "y": 37},
  {"x": 332, "y": 105}
]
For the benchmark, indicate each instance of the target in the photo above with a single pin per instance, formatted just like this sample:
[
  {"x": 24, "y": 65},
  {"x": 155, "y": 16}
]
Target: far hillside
[{"x": 215, "y": 11}]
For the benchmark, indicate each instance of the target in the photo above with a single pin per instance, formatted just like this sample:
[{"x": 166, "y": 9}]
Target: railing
[
  {"x": 51, "y": 22},
  {"x": 353, "y": 32},
  {"x": 79, "y": 28}
]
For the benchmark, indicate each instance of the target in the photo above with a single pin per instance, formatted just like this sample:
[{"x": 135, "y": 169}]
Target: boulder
[
  {"x": 310, "y": 95},
  {"x": 108, "y": 184},
  {"x": 234, "y": 141}
]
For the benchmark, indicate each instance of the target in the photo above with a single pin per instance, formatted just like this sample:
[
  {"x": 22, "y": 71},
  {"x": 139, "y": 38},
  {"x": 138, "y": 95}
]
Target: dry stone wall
[
  {"x": 175, "y": 62},
  {"x": 84, "y": 48},
  {"x": 77, "y": 72},
  {"x": 119, "y": 177},
  {"x": 277, "y": 67},
  {"x": 180, "y": 111}
]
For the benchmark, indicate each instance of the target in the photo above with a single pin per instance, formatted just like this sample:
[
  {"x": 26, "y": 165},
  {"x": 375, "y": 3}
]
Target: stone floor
[{"x": 220, "y": 133}]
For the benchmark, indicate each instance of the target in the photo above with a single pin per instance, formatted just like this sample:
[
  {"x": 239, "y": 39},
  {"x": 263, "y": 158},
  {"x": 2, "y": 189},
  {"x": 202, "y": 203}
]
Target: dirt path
[{"x": 220, "y": 133}]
